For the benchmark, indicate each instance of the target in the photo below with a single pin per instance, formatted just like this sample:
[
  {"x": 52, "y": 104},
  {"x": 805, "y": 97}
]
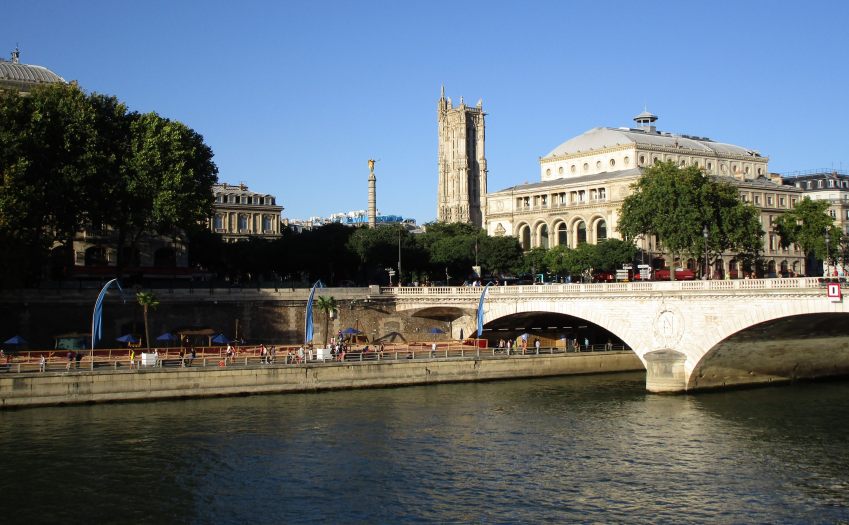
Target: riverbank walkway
[{"x": 289, "y": 355}]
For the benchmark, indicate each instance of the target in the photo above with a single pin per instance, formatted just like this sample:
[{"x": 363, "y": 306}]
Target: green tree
[
  {"x": 165, "y": 185},
  {"x": 55, "y": 160},
  {"x": 327, "y": 305},
  {"x": 147, "y": 300},
  {"x": 677, "y": 204},
  {"x": 534, "y": 260},
  {"x": 805, "y": 226},
  {"x": 612, "y": 253},
  {"x": 499, "y": 254}
]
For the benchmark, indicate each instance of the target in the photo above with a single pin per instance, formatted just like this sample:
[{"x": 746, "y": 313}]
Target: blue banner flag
[
  {"x": 309, "y": 326},
  {"x": 480, "y": 309},
  {"x": 97, "y": 319}
]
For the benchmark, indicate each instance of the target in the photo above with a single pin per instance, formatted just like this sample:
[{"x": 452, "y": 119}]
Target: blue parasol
[
  {"x": 220, "y": 339},
  {"x": 435, "y": 331},
  {"x": 17, "y": 340},
  {"x": 127, "y": 339},
  {"x": 349, "y": 331},
  {"x": 167, "y": 337}
]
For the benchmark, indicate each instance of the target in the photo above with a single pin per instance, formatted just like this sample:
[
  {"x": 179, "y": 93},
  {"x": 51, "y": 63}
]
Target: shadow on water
[{"x": 582, "y": 448}]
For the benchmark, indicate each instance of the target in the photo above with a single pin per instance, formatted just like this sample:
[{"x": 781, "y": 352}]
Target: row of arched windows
[{"x": 546, "y": 239}]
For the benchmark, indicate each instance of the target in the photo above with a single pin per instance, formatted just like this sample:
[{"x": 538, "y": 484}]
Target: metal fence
[{"x": 285, "y": 356}]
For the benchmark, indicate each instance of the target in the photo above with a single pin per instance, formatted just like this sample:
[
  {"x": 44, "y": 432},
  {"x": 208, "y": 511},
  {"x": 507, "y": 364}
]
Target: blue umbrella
[
  {"x": 17, "y": 340},
  {"x": 435, "y": 331},
  {"x": 350, "y": 331},
  {"x": 167, "y": 337},
  {"x": 127, "y": 339},
  {"x": 220, "y": 339}
]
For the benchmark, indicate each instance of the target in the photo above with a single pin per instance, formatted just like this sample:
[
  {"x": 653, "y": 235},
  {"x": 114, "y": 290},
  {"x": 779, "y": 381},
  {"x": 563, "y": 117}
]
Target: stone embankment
[{"x": 76, "y": 387}]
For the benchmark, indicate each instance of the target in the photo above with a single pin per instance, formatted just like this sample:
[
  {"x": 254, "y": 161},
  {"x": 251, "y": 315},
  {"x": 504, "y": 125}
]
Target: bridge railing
[{"x": 638, "y": 286}]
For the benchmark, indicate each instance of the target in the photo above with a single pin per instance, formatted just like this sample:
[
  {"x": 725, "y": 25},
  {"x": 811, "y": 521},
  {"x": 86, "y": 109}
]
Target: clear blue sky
[{"x": 295, "y": 97}]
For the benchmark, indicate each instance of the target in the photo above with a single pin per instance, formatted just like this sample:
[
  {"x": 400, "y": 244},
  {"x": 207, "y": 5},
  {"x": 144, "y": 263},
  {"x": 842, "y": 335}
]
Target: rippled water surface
[{"x": 593, "y": 449}]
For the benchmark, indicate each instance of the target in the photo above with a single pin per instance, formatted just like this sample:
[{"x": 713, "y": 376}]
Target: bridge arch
[
  {"x": 497, "y": 310},
  {"x": 781, "y": 342}
]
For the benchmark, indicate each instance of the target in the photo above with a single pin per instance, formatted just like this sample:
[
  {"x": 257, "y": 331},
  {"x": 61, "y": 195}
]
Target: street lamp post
[
  {"x": 705, "y": 233},
  {"x": 827, "y": 254}
]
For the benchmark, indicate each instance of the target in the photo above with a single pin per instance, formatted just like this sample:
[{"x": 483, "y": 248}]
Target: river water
[{"x": 592, "y": 449}]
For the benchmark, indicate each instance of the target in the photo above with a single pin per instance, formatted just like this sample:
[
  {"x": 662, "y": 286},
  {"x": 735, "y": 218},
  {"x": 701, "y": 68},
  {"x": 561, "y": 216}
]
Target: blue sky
[{"x": 294, "y": 98}]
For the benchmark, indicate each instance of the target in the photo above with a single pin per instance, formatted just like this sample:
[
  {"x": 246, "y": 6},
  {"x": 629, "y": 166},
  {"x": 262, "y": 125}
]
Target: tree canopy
[
  {"x": 69, "y": 159},
  {"x": 677, "y": 204},
  {"x": 805, "y": 225}
]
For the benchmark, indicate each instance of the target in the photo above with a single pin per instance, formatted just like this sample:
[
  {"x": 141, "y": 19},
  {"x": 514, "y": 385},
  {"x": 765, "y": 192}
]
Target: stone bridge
[{"x": 690, "y": 335}]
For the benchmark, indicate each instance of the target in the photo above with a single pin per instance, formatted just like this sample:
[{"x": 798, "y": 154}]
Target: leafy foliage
[
  {"x": 677, "y": 204},
  {"x": 805, "y": 225},
  {"x": 69, "y": 159}
]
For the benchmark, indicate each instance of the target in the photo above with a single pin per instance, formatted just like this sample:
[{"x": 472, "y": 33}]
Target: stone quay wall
[
  {"x": 127, "y": 385},
  {"x": 265, "y": 316}
]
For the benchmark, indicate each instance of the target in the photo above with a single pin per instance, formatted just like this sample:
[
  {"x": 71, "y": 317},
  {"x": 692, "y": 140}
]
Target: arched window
[
  {"x": 543, "y": 236},
  {"x": 601, "y": 231},
  {"x": 96, "y": 256},
  {"x": 771, "y": 267},
  {"x": 526, "y": 238},
  {"x": 582, "y": 232},
  {"x": 783, "y": 266},
  {"x": 562, "y": 234},
  {"x": 165, "y": 258}
]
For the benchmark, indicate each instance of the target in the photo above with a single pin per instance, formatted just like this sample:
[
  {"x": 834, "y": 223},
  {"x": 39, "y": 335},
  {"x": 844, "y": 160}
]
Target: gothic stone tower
[{"x": 462, "y": 165}]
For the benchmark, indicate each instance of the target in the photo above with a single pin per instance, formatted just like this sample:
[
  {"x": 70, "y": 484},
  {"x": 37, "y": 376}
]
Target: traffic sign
[
  {"x": 643, "y": 266},
  {"x": 834, "y": 294},
  {"x": 626, "y": 267}
]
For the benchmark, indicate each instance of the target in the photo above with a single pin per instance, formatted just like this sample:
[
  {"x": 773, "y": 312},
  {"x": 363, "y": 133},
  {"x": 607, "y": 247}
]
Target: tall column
[{"x": 372, "y": 197}]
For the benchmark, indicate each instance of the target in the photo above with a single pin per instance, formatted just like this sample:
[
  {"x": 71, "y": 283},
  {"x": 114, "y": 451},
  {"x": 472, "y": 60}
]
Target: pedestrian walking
[
  {"x": 586, "y": 343},
  {"x": 273, "y": 353},
  {"x": 132, "y": 359},
  {"x": 536, "y": 344},
  {"x": 433, "y": 350},
  {"x": 78, "y": 358},
  {"x": 42, "y": 364},
  {"x": 70, "y": 358},
  {"x": 301, "y": 354},
  {"x": 192, "y": 356}
]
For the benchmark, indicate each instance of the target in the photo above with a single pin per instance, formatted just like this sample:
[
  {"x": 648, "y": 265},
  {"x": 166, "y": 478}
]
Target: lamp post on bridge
[
  {"x": 827, "y": 254},
  {"x": 705, "y": 233}
]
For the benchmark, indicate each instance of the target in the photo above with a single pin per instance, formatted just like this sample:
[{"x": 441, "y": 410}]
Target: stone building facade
[
  {"x": 825, "y": 184},
  {"x": 585, "y": 180},
  {"x": 240, "y": 213},
  {"x": 462, "y": 162}
]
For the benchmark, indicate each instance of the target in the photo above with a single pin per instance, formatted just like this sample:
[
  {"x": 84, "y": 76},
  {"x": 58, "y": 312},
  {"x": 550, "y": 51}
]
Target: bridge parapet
[{"x": 638, "y": 286}]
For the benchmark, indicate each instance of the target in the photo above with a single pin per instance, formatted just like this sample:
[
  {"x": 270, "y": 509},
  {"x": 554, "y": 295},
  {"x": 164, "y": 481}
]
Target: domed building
[
  {"x": 585, "y": 179},
  {"x": 24, "y": 77}
]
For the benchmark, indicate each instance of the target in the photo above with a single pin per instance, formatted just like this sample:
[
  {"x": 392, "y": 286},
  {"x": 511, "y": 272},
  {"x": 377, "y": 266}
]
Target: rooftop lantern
[{"x": 645, "y": 122}]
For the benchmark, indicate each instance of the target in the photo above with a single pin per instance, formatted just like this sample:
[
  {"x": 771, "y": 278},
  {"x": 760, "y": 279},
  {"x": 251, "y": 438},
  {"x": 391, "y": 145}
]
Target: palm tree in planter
[
  {"x": 328, "y": 306},
  {"x": 147, "y": 299}
]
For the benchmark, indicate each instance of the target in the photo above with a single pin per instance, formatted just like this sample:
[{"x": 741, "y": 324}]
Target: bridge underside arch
[
  {"x": 802, "y": 346},
  {"x": 551, "y": 328}
]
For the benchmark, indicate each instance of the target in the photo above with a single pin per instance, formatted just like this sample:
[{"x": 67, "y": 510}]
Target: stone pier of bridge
[{"x": 690, "y": 335}]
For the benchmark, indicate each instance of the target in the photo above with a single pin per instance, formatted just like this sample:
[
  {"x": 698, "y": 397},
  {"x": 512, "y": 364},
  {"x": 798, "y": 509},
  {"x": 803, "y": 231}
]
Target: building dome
[{"x": 24, "y": 77}]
